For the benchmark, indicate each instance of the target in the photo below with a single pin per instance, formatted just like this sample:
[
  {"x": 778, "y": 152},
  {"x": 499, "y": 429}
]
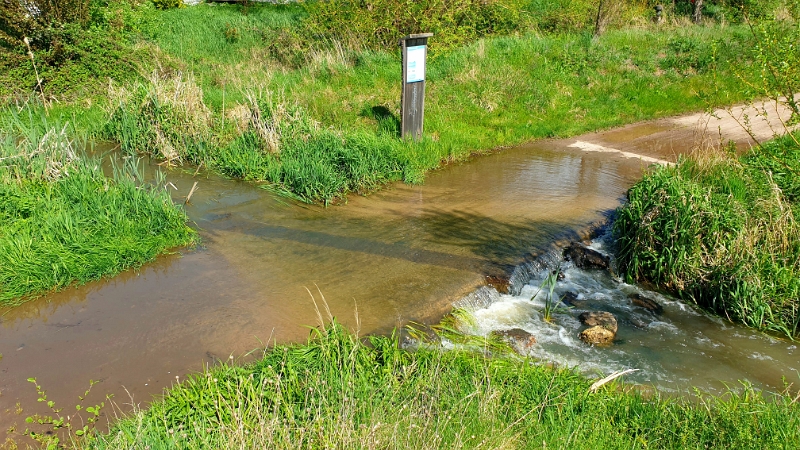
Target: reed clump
[
  {"x": 722, "y": 231},
  {"x": 63, "y": 221},
  {"x": 343, "y": 391},
  {"x": 164, "y": 116}
]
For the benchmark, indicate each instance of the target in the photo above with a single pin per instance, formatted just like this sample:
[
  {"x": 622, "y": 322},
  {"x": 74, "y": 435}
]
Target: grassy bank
[
  {"x": 340, "y": 391},
  {"x": 283, "y": 94},
  {"x": 317, "y": 129},
  {"x": 63, "y": 221},
  {"x": 722, "y": 231}
]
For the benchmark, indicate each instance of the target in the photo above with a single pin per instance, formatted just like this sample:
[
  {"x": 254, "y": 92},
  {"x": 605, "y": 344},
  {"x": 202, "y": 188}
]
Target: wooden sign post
[{"x": 412, "y": 103}]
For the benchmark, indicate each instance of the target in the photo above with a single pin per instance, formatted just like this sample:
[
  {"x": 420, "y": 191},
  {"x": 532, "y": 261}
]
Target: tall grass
[
  {"x": 343, "y": 391},
  {"x": 62, "y": 221},
  {"x": 722, "y": 231}
]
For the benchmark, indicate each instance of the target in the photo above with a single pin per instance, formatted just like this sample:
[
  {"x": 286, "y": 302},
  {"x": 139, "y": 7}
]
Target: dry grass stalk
[{"x": 267, "y": 127}]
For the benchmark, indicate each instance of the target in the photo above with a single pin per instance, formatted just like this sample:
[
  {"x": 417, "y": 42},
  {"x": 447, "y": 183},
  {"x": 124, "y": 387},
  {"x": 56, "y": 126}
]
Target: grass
[
  {"x": 342, "y": 391},
  {"x": 337, "y": 109},
  {"x": 721, "y": 230},
  {"x": 63, "y": 221}
]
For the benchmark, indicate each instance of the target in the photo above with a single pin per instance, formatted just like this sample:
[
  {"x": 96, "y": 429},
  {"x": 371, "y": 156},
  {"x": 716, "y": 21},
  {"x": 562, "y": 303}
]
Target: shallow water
[{"x": 404, "y": 253}]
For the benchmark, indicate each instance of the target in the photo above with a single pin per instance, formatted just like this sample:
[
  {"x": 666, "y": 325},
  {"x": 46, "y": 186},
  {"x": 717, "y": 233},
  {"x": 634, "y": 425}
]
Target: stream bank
[{"x": 404, "y": 253}]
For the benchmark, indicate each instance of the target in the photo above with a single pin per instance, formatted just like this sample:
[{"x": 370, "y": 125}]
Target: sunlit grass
[
  {"x": 62, "y": 221},
  {"x": 342, "y": 391},
  {"x": 722, "y": 231}
]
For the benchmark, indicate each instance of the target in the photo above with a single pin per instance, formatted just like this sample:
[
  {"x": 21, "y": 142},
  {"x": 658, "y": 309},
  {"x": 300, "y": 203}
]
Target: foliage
[
  {"x": 46, "y": 429},
  {"x": 721, "y": 231},
  {"x": 62, "y": 221},
  {"x": 378, "y": 24},
  {"x": 497, "y": 91},
  {"x": 776, "y": 57},
  {"x": 168, "y": 4},
  {"x": 76, "y": 46},
  {"x": 163, "y": 117},
  {"x": 343, "y": 391}
]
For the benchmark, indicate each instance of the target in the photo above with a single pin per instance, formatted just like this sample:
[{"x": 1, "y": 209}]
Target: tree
[{"x": 697, "y": 17}]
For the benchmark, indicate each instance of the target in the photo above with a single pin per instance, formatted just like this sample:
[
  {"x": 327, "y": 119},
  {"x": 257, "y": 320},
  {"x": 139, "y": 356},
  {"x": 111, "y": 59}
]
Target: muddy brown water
[{"x": 404, "y": 253}]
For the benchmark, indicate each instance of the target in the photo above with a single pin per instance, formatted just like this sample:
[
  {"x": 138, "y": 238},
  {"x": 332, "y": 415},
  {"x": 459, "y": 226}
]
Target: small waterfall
[{"x": 673, "y": 345}]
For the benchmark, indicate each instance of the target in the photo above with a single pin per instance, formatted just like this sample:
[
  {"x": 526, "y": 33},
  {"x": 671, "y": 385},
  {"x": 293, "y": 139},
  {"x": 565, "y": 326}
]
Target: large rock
[
  {"x": 597, "y": 335},
  {"x": 521, "y": 340},
  {"x": 585, "y": 257},
  {"x": 646, "y": 303},
  {"x": 599, "y": 318}
]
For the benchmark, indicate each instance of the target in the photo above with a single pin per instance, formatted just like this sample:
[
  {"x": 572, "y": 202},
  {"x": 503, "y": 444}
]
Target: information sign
[{"x": 415, "y": 63}]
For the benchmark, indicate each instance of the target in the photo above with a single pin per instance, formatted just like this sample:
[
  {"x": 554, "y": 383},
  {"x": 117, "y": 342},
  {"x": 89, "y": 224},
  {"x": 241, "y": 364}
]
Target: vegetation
[
  {"x": 720, "y": 229},
  {"x": 343, "y": 391},
  {"x": 63, "y": 221},
  {"x": 251, "y": 86},
  {"x": 271, "y": 120}
]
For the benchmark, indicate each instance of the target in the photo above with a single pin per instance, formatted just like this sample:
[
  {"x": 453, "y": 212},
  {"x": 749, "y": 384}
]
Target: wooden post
[{"x": 414, "y": 49}]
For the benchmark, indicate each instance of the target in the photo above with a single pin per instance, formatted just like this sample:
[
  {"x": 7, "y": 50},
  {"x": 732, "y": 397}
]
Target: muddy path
[{"x": 404, "y": 253}]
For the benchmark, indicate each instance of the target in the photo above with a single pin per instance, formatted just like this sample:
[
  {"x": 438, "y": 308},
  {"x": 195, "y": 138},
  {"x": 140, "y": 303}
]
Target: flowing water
[
  {"x": 404, "y": 253},
  {"x": 673, "y": 350}
]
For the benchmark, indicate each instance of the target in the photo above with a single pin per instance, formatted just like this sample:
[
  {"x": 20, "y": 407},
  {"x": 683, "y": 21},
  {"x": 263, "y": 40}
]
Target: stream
[{"x": 407, "y": 252}]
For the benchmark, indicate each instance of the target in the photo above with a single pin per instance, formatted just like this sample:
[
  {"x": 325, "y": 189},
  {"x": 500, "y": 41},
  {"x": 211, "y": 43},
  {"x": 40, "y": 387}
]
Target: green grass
[
  {"x": 63, "y": 221},
  {"x": 721, "y": 231},
  {"x": 494, "y": 92},
  {"x": 341, "y": 391}
]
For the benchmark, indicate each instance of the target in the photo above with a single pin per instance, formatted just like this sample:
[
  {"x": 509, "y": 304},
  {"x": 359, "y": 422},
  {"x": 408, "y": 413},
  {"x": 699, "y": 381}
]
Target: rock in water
[
  {"x": 597, "y": 335},
  {"x": 500, "y": 283},
  {"x": 521, "y": 340},
  {"x": 646, "y": 303},
  {"x": 570, "y": 299},
  {"x": 599, "y": 318},
  {"x": 585, "y": 258}
]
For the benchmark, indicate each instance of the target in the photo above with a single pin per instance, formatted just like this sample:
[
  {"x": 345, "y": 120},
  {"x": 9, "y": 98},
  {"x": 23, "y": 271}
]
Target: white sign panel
[{"x": 415, "y": 64}]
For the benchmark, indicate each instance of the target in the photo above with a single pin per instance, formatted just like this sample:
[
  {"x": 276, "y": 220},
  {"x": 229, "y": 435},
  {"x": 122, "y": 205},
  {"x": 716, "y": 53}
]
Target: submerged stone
[
  {"x": 500, "y": 283},
  {"x": 570, "y": 299},
  {"x": 585, "y": 258},
  {"x": 646, "y": 303},
  {"x": 521, "y": 340},
  {"x": 599, "y": 318},
  {"x": 597, "y": 335}
]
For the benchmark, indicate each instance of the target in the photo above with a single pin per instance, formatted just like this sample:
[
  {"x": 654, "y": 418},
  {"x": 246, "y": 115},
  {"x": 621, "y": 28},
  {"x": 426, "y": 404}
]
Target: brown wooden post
[{"x": 414, "y": 49}]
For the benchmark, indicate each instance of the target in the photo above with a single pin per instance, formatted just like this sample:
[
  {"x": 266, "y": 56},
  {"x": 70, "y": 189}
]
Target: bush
[
  {"x": 722, "y": 232},
  {"x": 168, "y": 4},
  {"x": 379, "y": 24},
  {"x": 74, "y": 45}
]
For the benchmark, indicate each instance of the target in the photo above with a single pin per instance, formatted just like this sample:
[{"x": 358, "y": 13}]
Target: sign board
[
  {"x": 415, "y": 63},
  {"x": 412, "y": 102}
]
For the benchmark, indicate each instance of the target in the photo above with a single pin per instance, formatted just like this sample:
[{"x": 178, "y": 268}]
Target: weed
[{"x": 721, "y": 231}]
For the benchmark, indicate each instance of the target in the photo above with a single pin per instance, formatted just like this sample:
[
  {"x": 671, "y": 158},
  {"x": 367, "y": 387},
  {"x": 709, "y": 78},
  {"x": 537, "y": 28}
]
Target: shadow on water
[{"x": 496, "y": 243}]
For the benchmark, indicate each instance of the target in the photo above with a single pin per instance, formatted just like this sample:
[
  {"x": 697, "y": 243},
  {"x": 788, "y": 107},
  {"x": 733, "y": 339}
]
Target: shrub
[
  {"x": 378, "y": 24},
  {"x": 168, "y": 4},
  {"x": 722, "y": 232}
]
